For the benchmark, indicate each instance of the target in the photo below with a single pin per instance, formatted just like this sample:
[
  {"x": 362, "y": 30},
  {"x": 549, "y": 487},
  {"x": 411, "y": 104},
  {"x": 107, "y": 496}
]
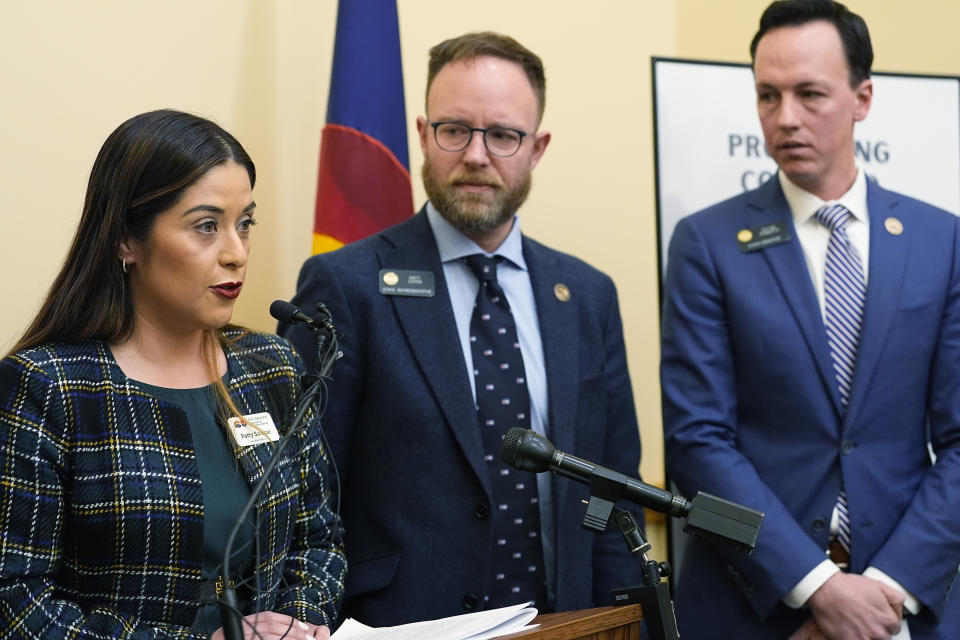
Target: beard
[{"x": 473, "y": 213}]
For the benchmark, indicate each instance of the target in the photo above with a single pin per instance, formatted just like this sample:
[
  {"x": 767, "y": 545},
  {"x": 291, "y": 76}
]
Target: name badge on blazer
[
  {"x": 402, "y": 282},
  {"x": 253, "y": 429},
  {"x": 768, "y": 235}
]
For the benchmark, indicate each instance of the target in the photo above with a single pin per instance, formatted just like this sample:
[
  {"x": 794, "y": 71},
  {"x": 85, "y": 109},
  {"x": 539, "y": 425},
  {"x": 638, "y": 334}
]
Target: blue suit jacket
[
  {"x": 752, "y": 412},
  {"x": 403, "y": 427}
]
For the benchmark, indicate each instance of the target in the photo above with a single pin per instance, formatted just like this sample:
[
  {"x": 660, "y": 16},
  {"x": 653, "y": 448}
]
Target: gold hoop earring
[{"x": 123, "y": 264}]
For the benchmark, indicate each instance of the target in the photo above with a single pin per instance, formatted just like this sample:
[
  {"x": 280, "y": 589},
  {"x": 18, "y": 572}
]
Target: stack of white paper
[{"x": 469, "y": 626}]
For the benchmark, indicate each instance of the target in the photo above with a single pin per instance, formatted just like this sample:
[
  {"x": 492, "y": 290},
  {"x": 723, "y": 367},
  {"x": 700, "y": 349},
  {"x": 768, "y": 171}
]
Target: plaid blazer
[{"x": 101, "y": 506}]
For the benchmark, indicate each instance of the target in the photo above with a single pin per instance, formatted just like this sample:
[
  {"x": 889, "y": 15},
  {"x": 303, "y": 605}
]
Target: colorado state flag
[{"x": 364, "y": 178}]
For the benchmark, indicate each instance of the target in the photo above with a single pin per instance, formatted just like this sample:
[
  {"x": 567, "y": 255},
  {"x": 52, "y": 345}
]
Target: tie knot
[
  {"x": 833, "y": 216},
  {"x": 485, "y": 268}
]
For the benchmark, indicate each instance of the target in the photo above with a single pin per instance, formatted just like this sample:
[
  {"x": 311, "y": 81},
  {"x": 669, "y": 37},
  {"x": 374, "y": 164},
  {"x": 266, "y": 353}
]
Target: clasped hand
[{"x": 852, "y": 607}]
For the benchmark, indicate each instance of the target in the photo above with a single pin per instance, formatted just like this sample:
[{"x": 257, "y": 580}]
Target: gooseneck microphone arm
[{"x": 328, "y": 353}]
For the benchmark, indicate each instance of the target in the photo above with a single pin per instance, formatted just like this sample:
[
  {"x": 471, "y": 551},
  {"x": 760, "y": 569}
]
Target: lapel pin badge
[
  {"x": 893, "y": 226},
  {"x": 390, "y": 278},
  {"x": 561, "y": 291},
  {"x": 744, "y": 236}
]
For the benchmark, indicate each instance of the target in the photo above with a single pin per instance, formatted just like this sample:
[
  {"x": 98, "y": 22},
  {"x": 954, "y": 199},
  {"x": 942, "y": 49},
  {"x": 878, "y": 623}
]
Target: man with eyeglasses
[{"x": 456, "y": 328}]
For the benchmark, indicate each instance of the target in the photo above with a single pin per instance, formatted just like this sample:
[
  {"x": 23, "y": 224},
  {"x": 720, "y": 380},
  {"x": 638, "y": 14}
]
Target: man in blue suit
[
  {"x": 783, "y": 393},
  {"x": 419, "y": 475}
]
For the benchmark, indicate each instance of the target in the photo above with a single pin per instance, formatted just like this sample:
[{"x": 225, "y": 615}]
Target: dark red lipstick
[{"x": 229, "y": 290}]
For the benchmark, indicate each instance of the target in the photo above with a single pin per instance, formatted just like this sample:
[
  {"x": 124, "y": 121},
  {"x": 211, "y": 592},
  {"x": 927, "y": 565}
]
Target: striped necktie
[{"x": 844, "y": 292}]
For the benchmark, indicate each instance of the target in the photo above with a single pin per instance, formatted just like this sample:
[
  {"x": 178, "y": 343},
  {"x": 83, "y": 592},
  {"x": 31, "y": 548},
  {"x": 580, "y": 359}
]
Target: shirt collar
[
  {"x": 454, "y": 245},
  {"x": 804, "y": 204}
]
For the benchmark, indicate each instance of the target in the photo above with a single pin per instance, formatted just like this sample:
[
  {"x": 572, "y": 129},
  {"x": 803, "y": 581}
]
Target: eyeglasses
[{"x": 500, "y": 141}]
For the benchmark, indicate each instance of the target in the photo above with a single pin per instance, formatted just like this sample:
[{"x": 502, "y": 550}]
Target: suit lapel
[
  {"x": 888, "y": 255},
  {"x": 430, "y": 330},
  {"x": 559, "y": 333},
  {"x": 790, "y": 269}
]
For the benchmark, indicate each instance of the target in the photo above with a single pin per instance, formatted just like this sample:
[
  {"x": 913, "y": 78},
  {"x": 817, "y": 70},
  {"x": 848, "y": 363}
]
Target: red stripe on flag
[{"x": 361, "y": 186}]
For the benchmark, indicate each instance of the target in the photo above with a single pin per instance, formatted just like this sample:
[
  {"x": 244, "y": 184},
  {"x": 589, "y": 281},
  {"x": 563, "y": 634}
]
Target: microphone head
[
  {"x": 526, "y": 450},
  {"x": 289, "y": 313},
  {"x": 284, "y": 311}
]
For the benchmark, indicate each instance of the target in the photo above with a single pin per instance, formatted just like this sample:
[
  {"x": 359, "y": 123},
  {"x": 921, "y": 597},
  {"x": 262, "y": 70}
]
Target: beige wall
[{"x": 72, "y": 71}]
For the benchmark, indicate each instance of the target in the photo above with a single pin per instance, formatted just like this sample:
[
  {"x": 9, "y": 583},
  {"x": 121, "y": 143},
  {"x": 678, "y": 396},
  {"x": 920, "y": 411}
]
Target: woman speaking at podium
[{"x": 134, "y": 420}]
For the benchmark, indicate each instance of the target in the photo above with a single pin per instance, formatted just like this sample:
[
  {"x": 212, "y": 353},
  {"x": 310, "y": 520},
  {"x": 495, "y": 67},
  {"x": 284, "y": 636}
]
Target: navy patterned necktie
[
  {"x": 844, "y": 294},
  {"x": 503, "y": 401}
]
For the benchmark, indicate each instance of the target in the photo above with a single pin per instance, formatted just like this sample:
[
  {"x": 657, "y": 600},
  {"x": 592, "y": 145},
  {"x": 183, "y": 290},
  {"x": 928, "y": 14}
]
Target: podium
[{"x": 602, "y": 623}]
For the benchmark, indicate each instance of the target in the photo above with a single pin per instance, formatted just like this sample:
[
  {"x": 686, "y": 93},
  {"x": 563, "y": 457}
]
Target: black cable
[{"x": 313, "y": 397}]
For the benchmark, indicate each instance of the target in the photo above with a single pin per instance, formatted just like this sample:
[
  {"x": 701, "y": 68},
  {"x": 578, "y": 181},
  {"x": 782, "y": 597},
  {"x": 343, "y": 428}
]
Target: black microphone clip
[{"x": 324, "y": 318}]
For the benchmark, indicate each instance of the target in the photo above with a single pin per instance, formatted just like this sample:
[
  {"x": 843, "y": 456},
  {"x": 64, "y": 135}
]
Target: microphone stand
[
  {"x": 328, "y": 355},
  {"x": 708, "y": 516},
  {"x": 654, "y": 596}
]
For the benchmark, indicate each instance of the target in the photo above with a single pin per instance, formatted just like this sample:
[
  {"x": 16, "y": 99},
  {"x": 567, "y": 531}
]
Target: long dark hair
[{"x": 142, "y": 169}]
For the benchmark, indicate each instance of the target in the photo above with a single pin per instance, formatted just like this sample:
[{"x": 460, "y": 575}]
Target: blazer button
[
  {"x": 482, "y": 512},
  {"x": 818, "y": 524},
  {"x": 470, "y": 602},
  {"x": 847, "y": 446}
]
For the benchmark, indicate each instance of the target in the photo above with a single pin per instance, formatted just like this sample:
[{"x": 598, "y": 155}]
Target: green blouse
[{"x": 225, "y": 492}]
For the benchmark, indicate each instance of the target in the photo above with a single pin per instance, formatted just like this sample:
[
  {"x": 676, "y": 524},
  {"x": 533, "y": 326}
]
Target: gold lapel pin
[
  {"x": 744, "y": 235},
  {"x": 390, "y": 278},
  {"x": 561, "y": 291},
  {"x": 893, "y": 226}
]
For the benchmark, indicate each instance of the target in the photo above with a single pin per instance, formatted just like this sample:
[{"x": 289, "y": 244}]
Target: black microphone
[
  {"x": 323, "y": 330},
  {"x": 527, "y": 450},
  {"x": 289, "y": 313},
  {"x": 706, "y": 515}
]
